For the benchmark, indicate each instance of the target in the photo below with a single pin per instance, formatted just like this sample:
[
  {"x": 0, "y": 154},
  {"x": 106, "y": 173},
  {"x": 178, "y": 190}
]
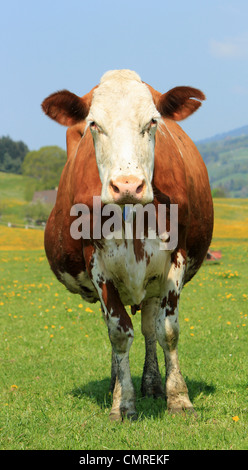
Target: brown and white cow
[{"x": 124, "y": 145}]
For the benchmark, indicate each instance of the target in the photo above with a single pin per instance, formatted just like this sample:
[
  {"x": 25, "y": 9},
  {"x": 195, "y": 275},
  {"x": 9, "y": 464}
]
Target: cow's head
[{"x": 123, "y": 117}]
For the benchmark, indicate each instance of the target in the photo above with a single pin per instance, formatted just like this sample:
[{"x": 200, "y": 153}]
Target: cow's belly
[
  {"x": 135, "y": 277},
  {"x": 80, "y": 284}
]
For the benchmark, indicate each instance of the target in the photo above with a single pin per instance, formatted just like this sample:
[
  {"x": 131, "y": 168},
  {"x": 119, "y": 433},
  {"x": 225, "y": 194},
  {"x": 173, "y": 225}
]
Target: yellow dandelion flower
[
  {"x": 88, "y": 309},
  {"x": 69, "y": 310},
  {"x": 46, "y": 327},
  {"x": 14, "y": 387},
  {"x": 235, "y": 418},
  {"x": 228, "y": 323},
  {"x": 80, "y": 305},
  {"x": 51, "y": 336}
]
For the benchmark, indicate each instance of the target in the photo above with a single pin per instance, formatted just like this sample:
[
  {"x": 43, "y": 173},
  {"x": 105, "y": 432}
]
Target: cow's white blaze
[{"x": 123, "y": 121}]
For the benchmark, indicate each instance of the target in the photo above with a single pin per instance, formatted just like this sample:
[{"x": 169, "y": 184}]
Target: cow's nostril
[
  {"x": 140, "y": 188},
  {"x": 114, "y": 187}
]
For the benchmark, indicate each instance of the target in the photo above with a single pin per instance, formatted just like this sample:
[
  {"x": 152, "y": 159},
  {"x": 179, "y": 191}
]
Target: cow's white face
[{"x": 123, "y": 120}]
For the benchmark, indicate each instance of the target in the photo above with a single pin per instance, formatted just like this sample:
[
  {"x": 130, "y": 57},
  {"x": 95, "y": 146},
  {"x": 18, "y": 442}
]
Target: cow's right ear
[
  {"x": 66, "y": 108},
  {"x": 180, "y": 102}
]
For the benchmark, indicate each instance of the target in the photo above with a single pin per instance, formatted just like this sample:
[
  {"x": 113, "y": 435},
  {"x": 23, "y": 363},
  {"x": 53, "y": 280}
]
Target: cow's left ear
[
  {"x": 180, "y": 102},
  {"x": 67, "y": 108}
]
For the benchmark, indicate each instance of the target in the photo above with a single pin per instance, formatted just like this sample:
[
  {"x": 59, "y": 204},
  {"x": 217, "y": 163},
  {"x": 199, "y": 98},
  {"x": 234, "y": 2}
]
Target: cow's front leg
[
  {"x": 167, "y": 329},
  {"x": 120, "y": 331},
  {"x": 113, "y": 363}
]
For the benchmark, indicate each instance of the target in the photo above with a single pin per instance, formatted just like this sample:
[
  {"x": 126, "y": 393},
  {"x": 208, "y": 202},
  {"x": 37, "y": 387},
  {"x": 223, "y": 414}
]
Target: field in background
[
  {"x": 231, "y": 220},
  {"x": 12, "y": 197},
  {"x": 55, "y": 354},
  {"x": 231, "y": 225}
]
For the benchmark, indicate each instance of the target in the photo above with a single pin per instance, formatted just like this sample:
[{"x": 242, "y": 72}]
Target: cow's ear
[
  {"x": 180, "y": 102},
  {"x": 66, "y": 108}
]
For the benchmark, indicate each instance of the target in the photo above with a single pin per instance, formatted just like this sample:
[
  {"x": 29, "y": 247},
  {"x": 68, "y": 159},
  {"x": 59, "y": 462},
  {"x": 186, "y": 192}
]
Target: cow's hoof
[
  {"x": 182, "y": 411},
  {"x": 116, "y": 415}
]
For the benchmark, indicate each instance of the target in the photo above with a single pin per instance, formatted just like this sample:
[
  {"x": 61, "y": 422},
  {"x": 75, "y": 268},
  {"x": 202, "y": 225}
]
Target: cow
[{"x": 124, "y": 146}]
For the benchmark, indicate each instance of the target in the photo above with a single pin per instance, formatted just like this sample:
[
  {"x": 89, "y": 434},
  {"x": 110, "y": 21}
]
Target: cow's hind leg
[
  {"x": 167, "y": 329},
  {"x": 151, "y": 384},
  {"x": 114, "y": 369}
]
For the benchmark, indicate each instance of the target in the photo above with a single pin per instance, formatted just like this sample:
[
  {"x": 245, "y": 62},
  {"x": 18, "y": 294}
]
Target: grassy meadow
[
  {"x": 12, "y": 197},
  {"x": 55, "y": 354}
]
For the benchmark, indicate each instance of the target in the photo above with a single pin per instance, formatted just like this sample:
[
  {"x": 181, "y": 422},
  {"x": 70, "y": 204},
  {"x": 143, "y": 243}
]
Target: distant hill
[
  {"x": 240, "y": 132},
  {"x": 226, "y": 158}
]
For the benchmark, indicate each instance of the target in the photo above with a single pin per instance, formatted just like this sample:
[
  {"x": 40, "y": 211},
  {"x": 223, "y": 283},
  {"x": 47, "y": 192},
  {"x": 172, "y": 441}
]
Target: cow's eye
[
  {"x": 94, "y": 126},
  {"x": 153, "y": 122}
]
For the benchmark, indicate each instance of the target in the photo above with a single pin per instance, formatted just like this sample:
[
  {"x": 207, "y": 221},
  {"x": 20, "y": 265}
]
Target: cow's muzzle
[{"x": 127, "y": 189}]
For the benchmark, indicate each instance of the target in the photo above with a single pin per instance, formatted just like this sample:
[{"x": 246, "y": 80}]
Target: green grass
[
  {"x": 231, "y": 209},
  {"x": 13, "y": 186},
  {"x": 55, "y": 363}
]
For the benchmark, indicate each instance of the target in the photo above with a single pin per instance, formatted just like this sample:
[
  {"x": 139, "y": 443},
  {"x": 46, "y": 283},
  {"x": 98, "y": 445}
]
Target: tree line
[
  {"x": 44, "y": 166},
  {"x": 12, "y": 155}
]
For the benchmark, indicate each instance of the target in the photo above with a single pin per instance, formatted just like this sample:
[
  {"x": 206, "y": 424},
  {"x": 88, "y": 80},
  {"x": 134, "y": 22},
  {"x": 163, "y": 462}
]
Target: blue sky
[{"x": 50, "y": 45}]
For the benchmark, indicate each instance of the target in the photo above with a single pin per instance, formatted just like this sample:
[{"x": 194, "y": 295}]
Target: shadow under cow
[{"x": 98, "y": 392}]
